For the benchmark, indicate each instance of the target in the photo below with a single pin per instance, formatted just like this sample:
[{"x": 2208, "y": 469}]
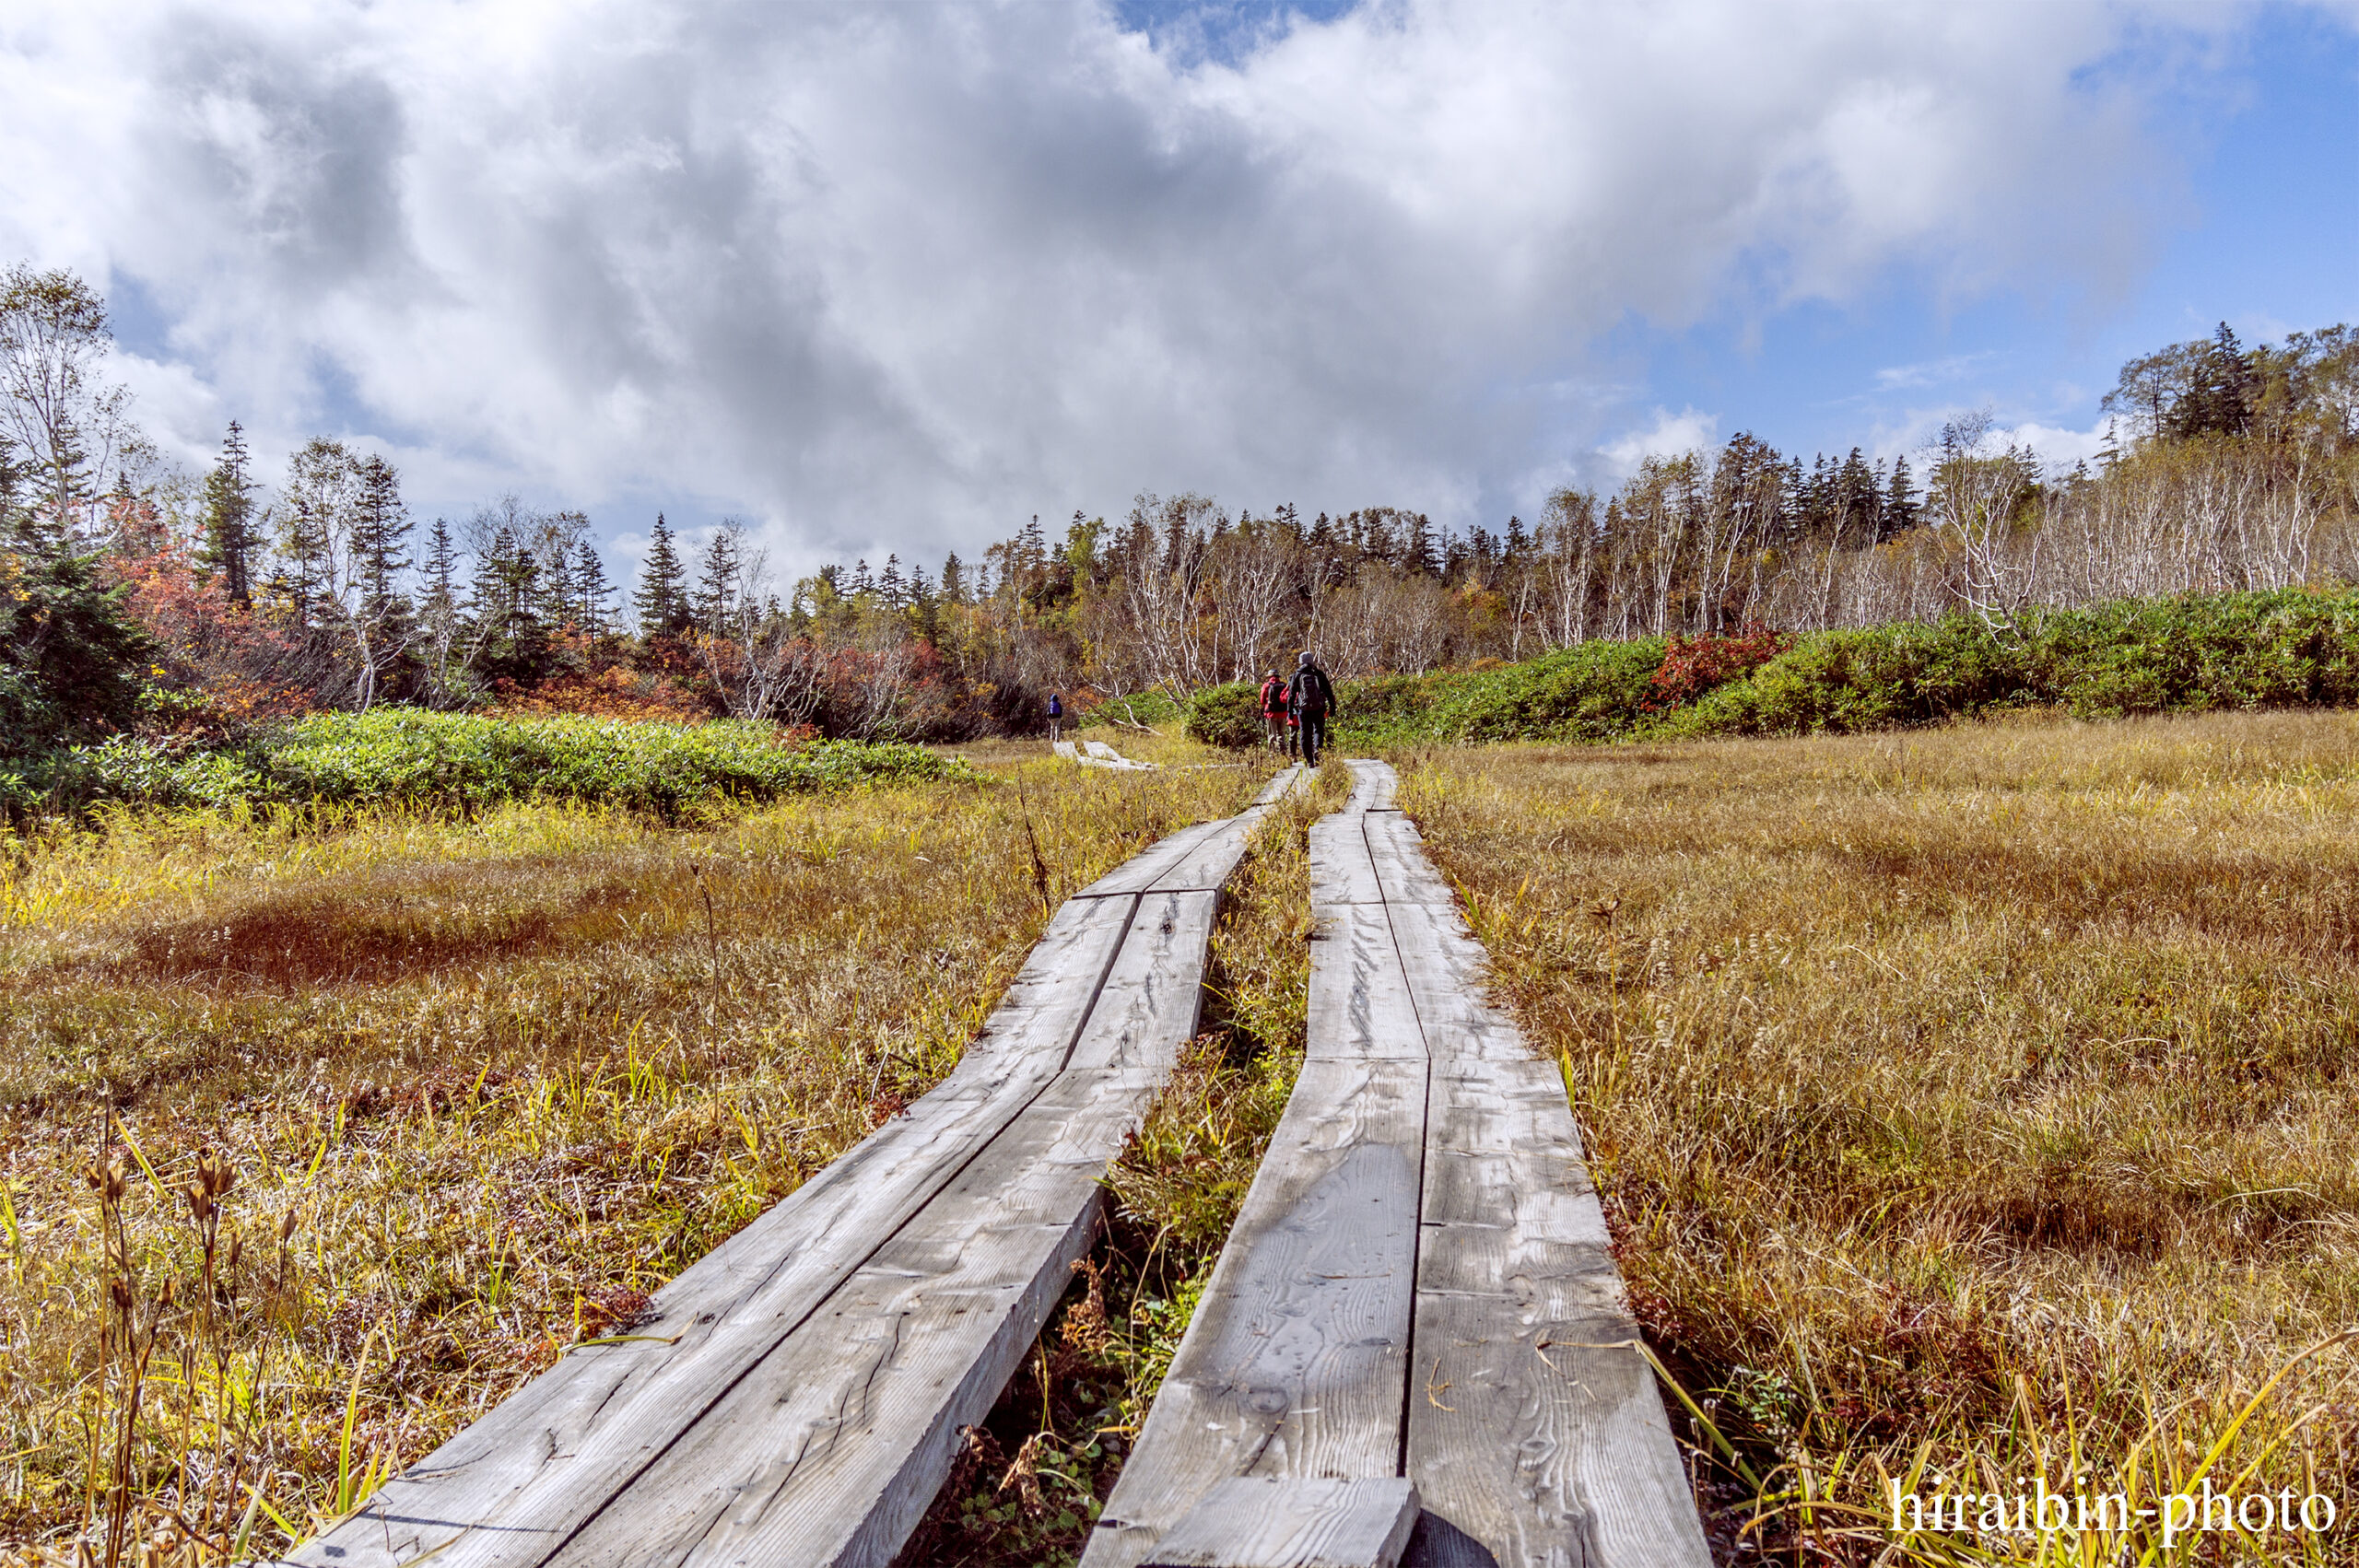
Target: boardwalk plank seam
[
  {"x": 524, "y": 1512},
  {"x": 1553, "y": 1447}
]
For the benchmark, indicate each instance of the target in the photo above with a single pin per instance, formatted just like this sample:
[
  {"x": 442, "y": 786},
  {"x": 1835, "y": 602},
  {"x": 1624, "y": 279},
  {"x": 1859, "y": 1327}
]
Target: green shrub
[
  {"x": 469, "y": 761},
  {"x": 1592, "y": 691},
  {"x": 69, "y": 654},
  {"x": 1153, "y": 706},
  {"x": 2283, "y": 648},
  {"x": 1227, "y": 715},
  {"x": 2290, "y": 648}
]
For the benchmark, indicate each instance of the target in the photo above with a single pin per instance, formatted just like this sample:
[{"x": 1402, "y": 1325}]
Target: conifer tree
[
  {"x": 442, "y": 557},
  {"x": 228, "y": 520},
  {"x": 716, "y": 596},
  {"x": 589, "y": 583},
  {"x": 661, "y": 605},
  {"x": 381, "y": 528},
  {"x": 1900, "y": 505}
]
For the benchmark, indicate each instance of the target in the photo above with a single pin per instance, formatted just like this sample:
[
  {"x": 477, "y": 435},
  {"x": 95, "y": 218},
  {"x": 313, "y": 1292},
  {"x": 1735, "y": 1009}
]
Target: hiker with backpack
[
  {"x": 1310, "y": 698},
  {"x": 1273, "y": 712},
  {"x": 1056, "y": 717}
]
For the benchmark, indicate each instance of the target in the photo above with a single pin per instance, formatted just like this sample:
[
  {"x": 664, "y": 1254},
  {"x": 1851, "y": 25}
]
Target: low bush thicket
[
  {"x": 1227, "y": 715},
  {"x": 469, "y": 761},
  {"x": 1151, "y": 707},
  {"x": 2288, "y": 648}
]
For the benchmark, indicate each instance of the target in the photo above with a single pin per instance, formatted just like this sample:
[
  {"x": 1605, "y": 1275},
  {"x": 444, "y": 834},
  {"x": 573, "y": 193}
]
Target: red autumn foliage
[
  {"x": 240, "y": 666},
  {"x": 1693, "y": 665}
]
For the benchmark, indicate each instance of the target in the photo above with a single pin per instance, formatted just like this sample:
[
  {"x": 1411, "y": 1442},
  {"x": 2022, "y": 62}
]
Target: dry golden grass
[
  {"x": 1969, "y": 1104},
  {"x": 501, "y": 1077}
]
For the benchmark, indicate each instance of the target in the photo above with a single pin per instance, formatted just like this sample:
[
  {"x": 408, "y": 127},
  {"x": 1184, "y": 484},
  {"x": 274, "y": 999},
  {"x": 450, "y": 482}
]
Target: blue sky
[
  {"x": 2262, "y": 232},
  {"x": 896, "y": 279}
]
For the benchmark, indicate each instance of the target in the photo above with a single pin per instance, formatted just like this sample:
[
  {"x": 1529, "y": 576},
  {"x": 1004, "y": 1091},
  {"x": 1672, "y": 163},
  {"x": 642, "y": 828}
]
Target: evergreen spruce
[
  {"x": 715, "y": 607},
  {"x": 661, "y": 605},
  {"x": 1900, "y": 504},
  {"x": 228, "y": 521},
  {"x": 442, "y": 557},
  {"x": 380, "y": 529},
  {"x": 589, "y": 583}
]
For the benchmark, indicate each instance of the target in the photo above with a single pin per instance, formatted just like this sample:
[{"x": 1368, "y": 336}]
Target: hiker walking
[
  {"x": 1056, "y": 717},
  {"x": 1273, "y": 711},
  {"x": 1310, "y": 697}
]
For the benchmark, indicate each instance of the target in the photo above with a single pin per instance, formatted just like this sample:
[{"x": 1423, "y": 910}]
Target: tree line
[{"x": 134, "y": 596}]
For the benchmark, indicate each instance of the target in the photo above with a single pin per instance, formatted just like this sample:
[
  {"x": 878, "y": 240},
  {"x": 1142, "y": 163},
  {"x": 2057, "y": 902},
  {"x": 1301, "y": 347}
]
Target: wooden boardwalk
[
  {"x": 797, "y": 1396},
  {"x": 1417, "y": 1291}
]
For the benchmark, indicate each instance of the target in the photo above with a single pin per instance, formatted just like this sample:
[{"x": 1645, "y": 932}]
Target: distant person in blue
[
  {"x": 1056, "y": 718},
  {"x": 1310, "y": 697}
]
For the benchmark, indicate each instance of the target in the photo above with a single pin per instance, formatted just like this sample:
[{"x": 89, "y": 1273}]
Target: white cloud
[
  {"x": 890, "y": 276},
  {"x": 2059, "y": 446},
  {"x": 1933, "y": 372},
  {"x": 1669, "y": 436}
]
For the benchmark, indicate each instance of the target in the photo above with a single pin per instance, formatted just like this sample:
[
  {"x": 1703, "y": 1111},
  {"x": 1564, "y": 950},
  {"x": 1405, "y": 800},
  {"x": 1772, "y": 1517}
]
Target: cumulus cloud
[
  {"x": 891, "y": 276},
  {"x": 1669, "y": 436}
]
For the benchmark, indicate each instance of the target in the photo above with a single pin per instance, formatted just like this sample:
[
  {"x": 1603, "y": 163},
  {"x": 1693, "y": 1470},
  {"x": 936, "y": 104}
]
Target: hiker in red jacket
[{"x": 1273, "y": 711}]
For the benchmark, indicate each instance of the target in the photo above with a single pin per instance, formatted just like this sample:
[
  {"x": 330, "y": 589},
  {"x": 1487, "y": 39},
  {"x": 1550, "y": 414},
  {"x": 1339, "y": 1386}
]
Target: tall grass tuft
[
  {"x": 1971, "y": 1107},
  {"x": 400, "y": 1104}
]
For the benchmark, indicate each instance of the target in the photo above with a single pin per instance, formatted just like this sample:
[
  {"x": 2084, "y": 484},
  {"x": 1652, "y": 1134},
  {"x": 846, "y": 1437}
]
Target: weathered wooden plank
[
  {"x": 1154, "y": 995},
  {"x": 1138, "y": 873},
  {"x": 1372, "y": 784},
  {"x": 1277, "y": 788},
  {"x": 1209, "y": 861},
  {"x": 1536, "y": 1432},
  {"x": 829, "y": 1451},
  {"x": 1448, "y": 971},
  {"x": 1398, "y": 852},
  {"x": 1206, "y": 861},
  {"x": 1065, "y": 749},
  {"x": 1293, "y": 1522},
  {"x": 1107, "y": 756},
  {"x": 1212, "y": 861},
  {"x": 1295, "y": 1364},
  {"x": 1359, "y": 997},
  {"x": 512, "y": 1486},
  {"x": 1341, "y": 870}
]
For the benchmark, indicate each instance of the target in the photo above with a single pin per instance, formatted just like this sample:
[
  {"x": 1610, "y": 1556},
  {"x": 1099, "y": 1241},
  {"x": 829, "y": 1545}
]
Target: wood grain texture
[
  {"x": 1536, "y": 1432},
  {"x": 1372, "y": 785},
  {"x": 1446, "y": 970},
  {"x": 1154, "y": 995},
  {"x": 1212, "y": 861},
  {"x": 829, "y": 1451},
  {"x": 1209, "y": 861},
  {"x": 1341, "y": 870},
  {"x": 1398, "y": 852},
  {"x": 1138, "y": 873},
  {"x": 1359, "y": 995},
  {"x": 1280, "y": 786},
  {"x": 1293, "y": 1522},
  {"x": 1295, "y": 1364},
  {"x": 513, "y": 1484}
]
